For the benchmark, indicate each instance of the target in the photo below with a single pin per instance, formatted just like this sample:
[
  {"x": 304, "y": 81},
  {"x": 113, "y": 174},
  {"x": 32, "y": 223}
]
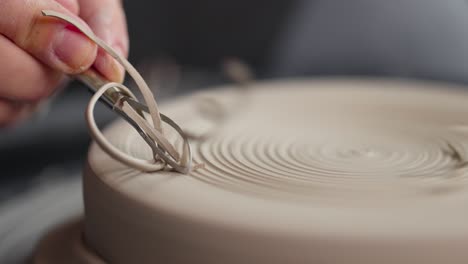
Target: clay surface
[{"x": 303, "y": 171}]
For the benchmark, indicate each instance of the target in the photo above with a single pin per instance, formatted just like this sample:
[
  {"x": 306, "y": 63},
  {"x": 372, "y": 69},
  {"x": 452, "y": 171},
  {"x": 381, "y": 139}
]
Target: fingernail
[
  {"x": 120, "y": 68},
  {"x": 74, "y": 50}
]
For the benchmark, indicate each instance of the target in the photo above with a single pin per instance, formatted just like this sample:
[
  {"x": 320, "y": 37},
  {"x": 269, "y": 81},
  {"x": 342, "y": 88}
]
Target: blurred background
[{"x": 421, "y": 39}]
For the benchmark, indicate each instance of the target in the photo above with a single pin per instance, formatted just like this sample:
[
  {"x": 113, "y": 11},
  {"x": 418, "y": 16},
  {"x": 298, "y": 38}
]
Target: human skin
[{"x": 36, "y": 52}]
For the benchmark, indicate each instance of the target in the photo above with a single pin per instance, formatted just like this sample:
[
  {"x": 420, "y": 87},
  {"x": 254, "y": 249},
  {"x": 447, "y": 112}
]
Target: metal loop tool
[
  {"x": 114, "y": 97},
  {"x": 122, "y": 101}
]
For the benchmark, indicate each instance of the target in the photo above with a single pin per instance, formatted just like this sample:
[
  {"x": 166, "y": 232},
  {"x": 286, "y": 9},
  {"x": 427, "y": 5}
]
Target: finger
[
  {"x": 22, "y": 77},
  {"x": 50, "y": 40},
  {"x": 71, "y": 5},
  {"x": 12, "y": 112},
  {"x": 107, "y": 19}
]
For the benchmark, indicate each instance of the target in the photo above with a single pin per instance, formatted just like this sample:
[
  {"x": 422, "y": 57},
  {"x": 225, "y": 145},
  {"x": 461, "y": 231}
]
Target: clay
[{"x": 312, "y": 171}]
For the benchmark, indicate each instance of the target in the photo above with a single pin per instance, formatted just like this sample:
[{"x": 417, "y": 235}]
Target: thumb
[{"x": 52, "y": 41}]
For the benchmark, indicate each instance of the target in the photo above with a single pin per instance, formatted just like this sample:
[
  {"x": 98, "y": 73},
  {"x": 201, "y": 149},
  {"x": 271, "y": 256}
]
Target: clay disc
[{"x": 301, "y": 171}]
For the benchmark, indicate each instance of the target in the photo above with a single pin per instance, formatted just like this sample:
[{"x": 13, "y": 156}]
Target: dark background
[
  {"x": 200, "y": 33},
  {"x": 425, "y": 39}
]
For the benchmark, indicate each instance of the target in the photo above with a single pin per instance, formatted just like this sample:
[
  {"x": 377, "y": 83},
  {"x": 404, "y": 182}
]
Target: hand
[{"x": 35, "y": 50}]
